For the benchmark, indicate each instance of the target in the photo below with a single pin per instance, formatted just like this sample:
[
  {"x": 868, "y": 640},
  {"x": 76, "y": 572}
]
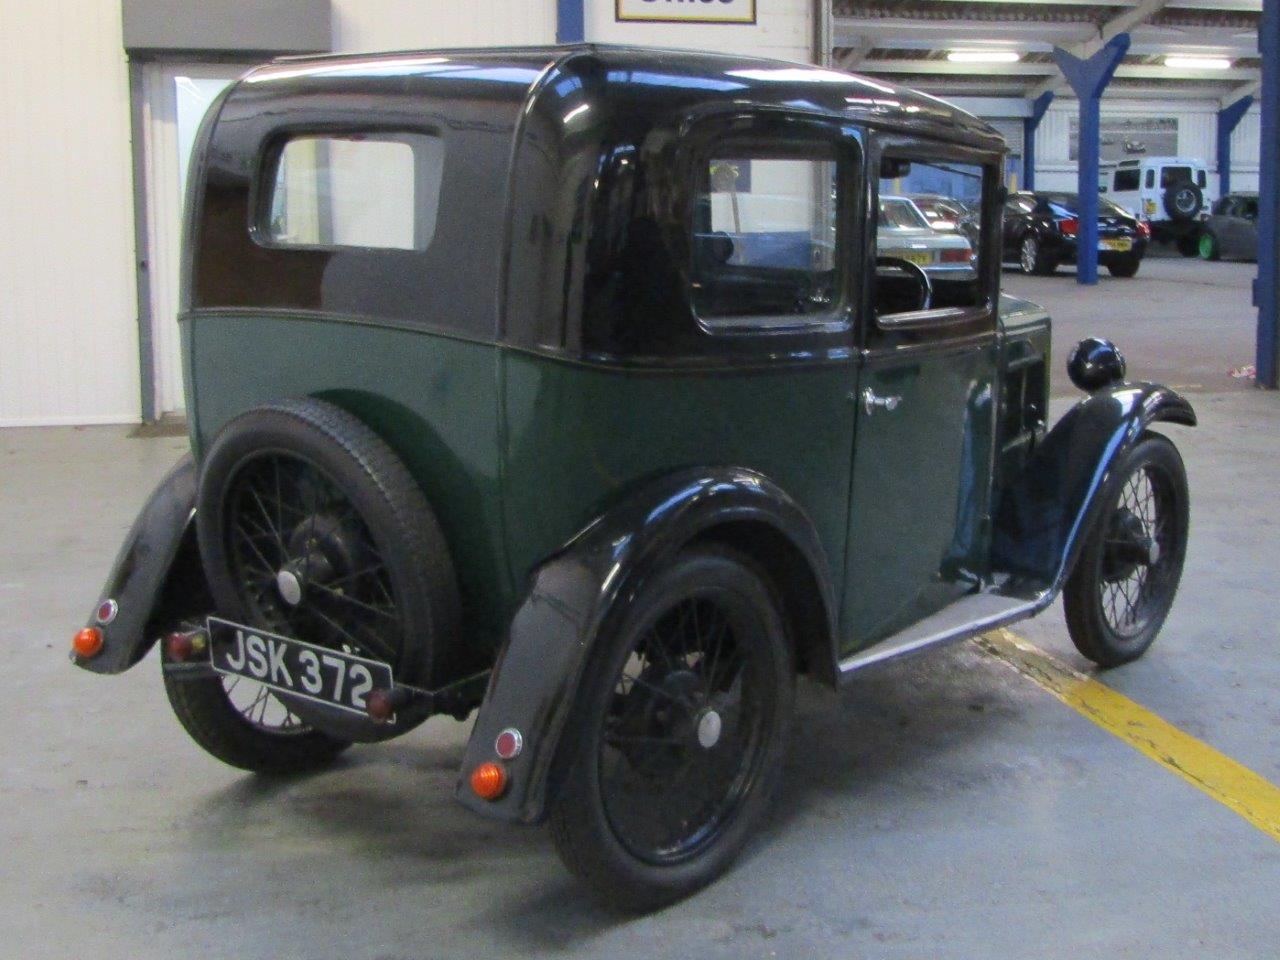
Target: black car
[
  {"x": 1040, "y": 232},
  {"x": 1231, "y": 233}
]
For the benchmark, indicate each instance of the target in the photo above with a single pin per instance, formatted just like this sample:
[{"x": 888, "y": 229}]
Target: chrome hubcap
[
  {"x": 289, "y": 587},
  {"x": 709, "y": 727}
]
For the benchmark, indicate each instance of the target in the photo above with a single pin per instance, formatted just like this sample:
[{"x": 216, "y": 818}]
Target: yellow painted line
[{"x": 1233, "y": 785}]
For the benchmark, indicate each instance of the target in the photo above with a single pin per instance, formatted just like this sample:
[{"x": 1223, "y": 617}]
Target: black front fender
[
  {"x": 155, "y": 563},
  {"x": 577, "y": 595},
  {"x": 1045, "y": 513}
]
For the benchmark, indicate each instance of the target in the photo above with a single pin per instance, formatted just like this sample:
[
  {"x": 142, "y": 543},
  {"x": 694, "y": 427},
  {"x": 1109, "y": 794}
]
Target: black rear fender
[
  {"x": 157, "y": 578},
  {"x": 581, "y": 592}
]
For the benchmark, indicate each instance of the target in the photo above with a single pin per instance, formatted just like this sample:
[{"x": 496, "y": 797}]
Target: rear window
[
  {"x": 366, "y": 192},
  {"x": 1128, "y": 179},
  {"x": 1169, "y": 176},
  {"x": 765, "y": 237}
]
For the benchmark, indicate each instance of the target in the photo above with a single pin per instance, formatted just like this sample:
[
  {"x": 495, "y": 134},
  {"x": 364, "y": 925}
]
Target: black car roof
[{"x": 632, "y": 72}]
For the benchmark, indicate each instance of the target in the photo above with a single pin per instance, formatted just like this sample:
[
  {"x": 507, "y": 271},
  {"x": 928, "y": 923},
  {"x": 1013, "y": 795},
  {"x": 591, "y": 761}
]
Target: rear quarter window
[{"x": 364, "y": 192}]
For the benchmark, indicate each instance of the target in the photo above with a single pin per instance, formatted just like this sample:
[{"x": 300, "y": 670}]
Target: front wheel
[
  {"x": 1127, "y": 574},
  {"x": 680, "y": 734},
  {"x": 1209, "y": 246}
]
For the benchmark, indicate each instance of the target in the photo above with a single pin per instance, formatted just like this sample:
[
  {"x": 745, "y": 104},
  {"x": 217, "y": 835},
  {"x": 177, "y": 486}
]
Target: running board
[{"x": 967, "y": 617}]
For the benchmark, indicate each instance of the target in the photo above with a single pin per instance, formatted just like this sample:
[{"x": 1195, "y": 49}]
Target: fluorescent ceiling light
[
  {"x": 984, "y": 56},
  {"x": 1198, "y": 63}
]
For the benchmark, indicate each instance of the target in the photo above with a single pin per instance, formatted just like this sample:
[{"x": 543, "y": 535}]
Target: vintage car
[{"x": 569, "y": 387}]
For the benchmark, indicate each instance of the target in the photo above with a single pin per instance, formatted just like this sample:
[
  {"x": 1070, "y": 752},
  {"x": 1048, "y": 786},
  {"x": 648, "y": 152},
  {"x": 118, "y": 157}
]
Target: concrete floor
[{"x": 941, "y": 808}]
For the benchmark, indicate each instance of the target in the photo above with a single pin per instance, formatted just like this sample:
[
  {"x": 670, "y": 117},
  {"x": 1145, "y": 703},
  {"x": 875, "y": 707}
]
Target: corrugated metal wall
[
  {"x": 1197, "y": 137},
  {"x": 68, "y": 318},
  {"x": 361, "y": 25}
]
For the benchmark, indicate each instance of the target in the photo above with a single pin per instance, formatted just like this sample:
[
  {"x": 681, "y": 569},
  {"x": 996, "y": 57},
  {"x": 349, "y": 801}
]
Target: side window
[
  {"x": 1202, "y": 179},
  {"x": 1128, "y": 179},
  {"x": 765, "y": 235},
  {"x": 1151, "y": 179},
  {"x": 366, "y": 192},
  {"x": 919, "y": 267}
]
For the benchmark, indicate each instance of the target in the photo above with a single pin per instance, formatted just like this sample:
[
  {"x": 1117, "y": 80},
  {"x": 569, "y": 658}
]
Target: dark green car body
[{"x": 541, "y": 368}]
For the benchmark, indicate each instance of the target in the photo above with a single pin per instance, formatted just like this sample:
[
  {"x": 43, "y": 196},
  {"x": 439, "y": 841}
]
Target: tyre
[
  {"x": 1125, "y": 266},
  {"x": 681, "y": 730},
  {"x": 1182, "y": 201},
  {"x": 1127, "y": 574},
  {"x": 1208, "y": 247},
  {"x": 244, "y": 724},
  {"x": 1188, "y": 245},
  {"x": 310, "y": 527},
  {"x": 1034, "y": 258}
]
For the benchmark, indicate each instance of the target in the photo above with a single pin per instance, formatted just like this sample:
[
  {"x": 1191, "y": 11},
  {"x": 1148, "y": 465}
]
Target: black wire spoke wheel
[
  {"x": 682, "y": 734},
  {"x": 683, "y": 723},
  {"x": 1125, "y": 580},
  {"x": 260, "y": 707},
  {"x": 304, "y": 562},
  {"x": 311, "y": 527}
]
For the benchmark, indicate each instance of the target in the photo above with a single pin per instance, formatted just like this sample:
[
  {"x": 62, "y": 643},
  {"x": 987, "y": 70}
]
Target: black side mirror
[{"x": 1094, "y": 364}]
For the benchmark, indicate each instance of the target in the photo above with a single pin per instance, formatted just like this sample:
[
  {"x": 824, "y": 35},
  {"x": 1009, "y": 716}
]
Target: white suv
[{"x": 1171, "y": 192}]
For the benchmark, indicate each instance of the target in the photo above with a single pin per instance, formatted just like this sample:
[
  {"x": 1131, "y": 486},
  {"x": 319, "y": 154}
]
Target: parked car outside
[
  {"x": 903, "y": 230},
  {"x": 1040, "y": 231},
  {"x": 1231, "y": 232},
  {"x": 948, "y": 214},
  {"x": 1171, "y": 193},
  {"x": 515, "y": 388}
]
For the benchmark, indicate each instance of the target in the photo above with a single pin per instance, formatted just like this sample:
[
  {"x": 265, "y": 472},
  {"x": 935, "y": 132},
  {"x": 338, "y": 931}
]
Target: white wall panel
[
  {"x": 68, "y": 317},
  {"x": 783, "y": 29},
  {"x": 368, "y": 25},
  {"x": 1197, "y": 137}
]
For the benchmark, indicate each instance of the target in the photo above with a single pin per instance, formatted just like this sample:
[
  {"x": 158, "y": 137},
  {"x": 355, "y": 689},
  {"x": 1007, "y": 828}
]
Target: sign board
[{"x": 686, "y": 11}]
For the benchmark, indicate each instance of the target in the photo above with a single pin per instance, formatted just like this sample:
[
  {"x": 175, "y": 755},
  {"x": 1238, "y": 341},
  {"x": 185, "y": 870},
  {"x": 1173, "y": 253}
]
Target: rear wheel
[
  {"x": 1188, "y": 245},
  {"x": 1127, "y": 574},
  {"x": 1209, "y": 246},
  {"x": 311, "y": 527},
  {"x": 680, "y": 734},
  {"x": 1034, "y": 258},
  {"x": 1125, "y": 266}
]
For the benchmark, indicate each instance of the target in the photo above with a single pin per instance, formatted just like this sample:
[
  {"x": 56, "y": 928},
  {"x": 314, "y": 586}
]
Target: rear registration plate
[
  {"x": 1118, "y": 243},
  {"x": 918, "y": 257},
  {"x": 332, "y": 677}
]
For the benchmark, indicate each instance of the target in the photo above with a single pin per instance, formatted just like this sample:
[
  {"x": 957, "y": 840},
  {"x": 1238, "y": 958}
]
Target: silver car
[{"x": 902, "y": 231}]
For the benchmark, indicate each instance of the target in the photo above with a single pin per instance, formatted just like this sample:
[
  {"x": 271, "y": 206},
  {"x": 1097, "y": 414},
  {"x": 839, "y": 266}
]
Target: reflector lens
[
  {"x": 87, "y": 643},
  {"x": 1069, "y": 227},
  {"x": 179, "y": 647},
  {"x": 107, "y": 611},
  {"x": 1144, "y": 229},
  {"x": 489, "y": 781},
  {"x": 508, "y": 744},
  {"x": 380, "y": 706}
]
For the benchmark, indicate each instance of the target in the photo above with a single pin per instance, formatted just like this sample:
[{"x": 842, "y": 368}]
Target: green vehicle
[{"x": 566, "y": 387}]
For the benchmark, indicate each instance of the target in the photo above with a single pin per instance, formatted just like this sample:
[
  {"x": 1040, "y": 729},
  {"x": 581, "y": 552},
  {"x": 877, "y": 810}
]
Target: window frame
[
  {"x": 763, "y": 130},
  {"x": 940, "y": 319},
  {"x": 263, "y": 185}
]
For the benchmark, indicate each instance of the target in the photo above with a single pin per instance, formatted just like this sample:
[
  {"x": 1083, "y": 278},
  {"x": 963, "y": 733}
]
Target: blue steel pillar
[
  {"x": 1264, "y": 288},
  {"x": 1029, "y": 127},
  {"x": 1088, "y": 78},
  {"x": 1229, "y": 118},
  {"x": 571, "y": 24}
]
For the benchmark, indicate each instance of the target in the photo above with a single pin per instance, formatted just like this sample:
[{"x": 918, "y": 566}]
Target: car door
[{"x": 923, "y": 442}]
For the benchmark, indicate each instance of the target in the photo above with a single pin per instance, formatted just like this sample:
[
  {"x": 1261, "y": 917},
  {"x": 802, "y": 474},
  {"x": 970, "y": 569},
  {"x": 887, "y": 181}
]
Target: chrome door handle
[{"x": 872, "y": 403}]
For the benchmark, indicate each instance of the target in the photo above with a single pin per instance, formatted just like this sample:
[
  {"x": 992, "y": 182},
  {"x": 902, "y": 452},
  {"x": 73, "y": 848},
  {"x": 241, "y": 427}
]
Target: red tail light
[
  {"x": 1144, "y": 230},
  {"x": 1069, "y": 227},
  {"x": 957, "y": 255}
]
